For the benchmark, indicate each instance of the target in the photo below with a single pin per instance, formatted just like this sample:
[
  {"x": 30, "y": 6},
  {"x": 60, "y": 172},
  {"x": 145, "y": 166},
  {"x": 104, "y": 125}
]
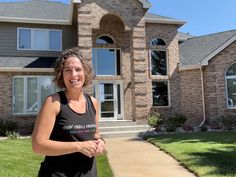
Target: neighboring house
[{"x": 141, "y": 63}]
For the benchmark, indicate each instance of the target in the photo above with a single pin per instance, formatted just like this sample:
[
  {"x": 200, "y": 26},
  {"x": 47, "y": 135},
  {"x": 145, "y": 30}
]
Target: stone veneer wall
[
  {"x": 214, "y": 80},
  {"x": 122, "y": 20}
]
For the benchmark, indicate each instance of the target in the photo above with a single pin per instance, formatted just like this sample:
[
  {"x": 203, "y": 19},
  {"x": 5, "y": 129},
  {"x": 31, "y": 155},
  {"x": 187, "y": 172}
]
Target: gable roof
[
  {"x": 153, "y": 18},
  {"x": 50, "y": 12},
  {"x": 198, "y": 51},
  {"x": 184, "y": 36},
  {"x": 145, "y": 3},
  {"x": 35, "y": 11}
]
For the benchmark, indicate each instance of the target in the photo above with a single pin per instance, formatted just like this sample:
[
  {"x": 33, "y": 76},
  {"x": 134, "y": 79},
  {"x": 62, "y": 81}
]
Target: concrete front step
[{"x": 121, "y": 129}]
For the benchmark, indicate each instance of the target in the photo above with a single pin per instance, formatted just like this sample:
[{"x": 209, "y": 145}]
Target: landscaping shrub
[
  {"x": 228, "y": 121},
  {"x": 172, "y": 123},
  {"x": 7, "y": 125},
  {"x": 12, "y": 135},
  {"x": 154, "y": 120}
]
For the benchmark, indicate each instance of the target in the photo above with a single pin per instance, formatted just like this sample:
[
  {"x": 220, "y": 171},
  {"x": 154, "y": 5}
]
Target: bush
[
  {"x": 172, "y": 123},
  {"x": 228, "y": 120},
  {"x": 12, "y": 135},
  {"x": 7, "y": 125},
  {"x": 154, "y": 120}
]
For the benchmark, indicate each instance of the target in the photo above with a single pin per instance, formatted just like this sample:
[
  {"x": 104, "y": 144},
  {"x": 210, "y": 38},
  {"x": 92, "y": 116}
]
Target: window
[
  {"x": 157, "y": 41},
  {"x": 29, "y": 93},
  {"x": 104, "y": 40},
  {"x": 231, "y": 86},
  {"x": 39, "y": 39},
  {"x": 158, "y": 62},
  {"x": 160, "y": 93},
  {"x": 158, "y": 57},
  {"x": 106, "y": 62}
]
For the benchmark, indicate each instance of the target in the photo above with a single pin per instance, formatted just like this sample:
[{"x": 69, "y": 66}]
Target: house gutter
[
  {"x": 203, "y": 99},
  {"x": 199, "y": 66}
]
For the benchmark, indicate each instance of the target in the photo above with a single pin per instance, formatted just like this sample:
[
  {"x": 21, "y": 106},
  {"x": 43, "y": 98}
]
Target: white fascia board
[
  {"x": 75, "y": 1},
  {"x": 190, "y": 67},
  {"x": 205, "y": 61},
  {"x": 146, "y": 4},
  {"x": 19, "y": 69},
  {"x": 166, "y": 21},
  {"x": 35, "y": 20}
]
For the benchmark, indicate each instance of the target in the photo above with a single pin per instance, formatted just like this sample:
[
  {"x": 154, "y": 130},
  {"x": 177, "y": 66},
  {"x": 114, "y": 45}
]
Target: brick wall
[
  {"x": 169, "y": 34},
  {"x": 191, "y": 95},
  {"x": 5, "y": 95},
  {"x": 214, "y": 80}
]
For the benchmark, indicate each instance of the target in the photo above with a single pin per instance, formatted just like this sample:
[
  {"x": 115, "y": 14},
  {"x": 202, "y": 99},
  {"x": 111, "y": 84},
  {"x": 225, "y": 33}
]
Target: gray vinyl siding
[{"x": 8, "y": 39}]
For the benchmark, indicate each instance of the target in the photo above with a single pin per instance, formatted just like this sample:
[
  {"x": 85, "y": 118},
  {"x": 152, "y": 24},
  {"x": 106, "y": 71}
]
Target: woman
[{"x": 66, "y": 129}]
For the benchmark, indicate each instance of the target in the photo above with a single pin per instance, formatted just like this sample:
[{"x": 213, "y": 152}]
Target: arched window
[
  {"x": 231, "y": 86},
  {"x": 106, "y": 59},
  {"x": 158, "y": 57},
  {"x": 104, "y": 40},
  {"x": 157, "y": 41}
]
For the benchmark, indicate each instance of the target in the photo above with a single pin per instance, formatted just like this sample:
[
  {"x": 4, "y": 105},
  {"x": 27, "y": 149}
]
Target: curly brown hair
[{"x": 59, "y": 65}]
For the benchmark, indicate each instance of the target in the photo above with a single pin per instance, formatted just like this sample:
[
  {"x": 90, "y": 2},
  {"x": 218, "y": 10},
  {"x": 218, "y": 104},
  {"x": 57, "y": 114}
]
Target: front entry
[{"x": 110, "y": 99}]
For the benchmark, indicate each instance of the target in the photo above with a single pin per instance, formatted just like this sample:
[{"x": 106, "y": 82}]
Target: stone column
[
  {"x": 85, "y": 42},
  {"x": 141, "y": 82}
]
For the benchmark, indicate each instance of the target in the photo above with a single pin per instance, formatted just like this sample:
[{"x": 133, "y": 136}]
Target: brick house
[{"x": 140, "y": 61}]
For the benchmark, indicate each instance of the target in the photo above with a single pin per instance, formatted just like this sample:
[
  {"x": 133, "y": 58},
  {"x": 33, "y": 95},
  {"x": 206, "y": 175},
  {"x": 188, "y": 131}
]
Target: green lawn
[
  {"x": 206, "y": 154},
  {"x": 18, "y": 160}
]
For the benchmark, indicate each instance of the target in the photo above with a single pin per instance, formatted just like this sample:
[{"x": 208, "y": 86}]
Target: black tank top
[{"x": 71, "y": 126}]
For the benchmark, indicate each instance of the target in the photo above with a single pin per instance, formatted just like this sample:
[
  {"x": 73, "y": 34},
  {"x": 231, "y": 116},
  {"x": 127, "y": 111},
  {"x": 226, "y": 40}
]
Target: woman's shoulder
[
  {"x": 53, "y": 99},
  {"x": 94, "y": 100}
]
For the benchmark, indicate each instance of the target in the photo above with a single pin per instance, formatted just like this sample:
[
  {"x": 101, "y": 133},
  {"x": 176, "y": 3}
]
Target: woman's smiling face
[{"x": 73, "y": 73}]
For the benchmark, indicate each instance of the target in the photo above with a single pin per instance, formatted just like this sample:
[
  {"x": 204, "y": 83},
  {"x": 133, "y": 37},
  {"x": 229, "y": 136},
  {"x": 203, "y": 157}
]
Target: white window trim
[
  {"x": 226, "y": 90},
  {"x": 115, "y": 61},
  {"x": 167, "y": 62},
  {"x": 168, "y": 89},
  {"x": 32, "y": 30},
  {"x": 25, "y": 95}
]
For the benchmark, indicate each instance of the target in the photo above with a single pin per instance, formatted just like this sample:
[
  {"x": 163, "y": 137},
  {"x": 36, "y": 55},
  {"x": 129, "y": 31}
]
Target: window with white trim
[
  {"x": 106, "y": 60},
  {"x": 158, "y": 57},
  {"x": 160, "y": 93},
  {"x": 39, "y": 39},
  {"x": 29, "y": 93},
  {"x": 231, "y": 86}
]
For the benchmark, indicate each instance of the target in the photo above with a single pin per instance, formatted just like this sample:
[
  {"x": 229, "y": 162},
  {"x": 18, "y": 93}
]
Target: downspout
[{"x": 203, "y": 99}]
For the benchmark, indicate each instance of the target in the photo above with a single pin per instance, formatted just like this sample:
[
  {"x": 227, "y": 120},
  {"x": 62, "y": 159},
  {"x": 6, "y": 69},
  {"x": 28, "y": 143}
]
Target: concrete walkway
[{"x": 133, "y": 157}]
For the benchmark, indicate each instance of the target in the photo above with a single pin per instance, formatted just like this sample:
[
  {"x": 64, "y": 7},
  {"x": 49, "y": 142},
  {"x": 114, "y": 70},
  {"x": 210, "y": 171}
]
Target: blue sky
[{"x": 202, "y": 16}]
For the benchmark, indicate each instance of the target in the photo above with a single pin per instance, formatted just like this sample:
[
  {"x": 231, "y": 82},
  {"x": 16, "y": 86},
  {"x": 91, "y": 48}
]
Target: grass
[
  {"x": 18, "y": 160},
  {"x": 207, "y": 154}
]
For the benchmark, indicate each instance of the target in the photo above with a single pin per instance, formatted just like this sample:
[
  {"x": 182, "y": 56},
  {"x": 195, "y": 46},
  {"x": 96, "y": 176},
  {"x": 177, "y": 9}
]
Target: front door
[{"x": 109, "y": 98}]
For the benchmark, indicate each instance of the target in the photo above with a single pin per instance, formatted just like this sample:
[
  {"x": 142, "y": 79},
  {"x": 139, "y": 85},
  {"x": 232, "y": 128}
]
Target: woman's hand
[
  {"x": 88, "y": 148},
  {"x": 100, "y": 147}
]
